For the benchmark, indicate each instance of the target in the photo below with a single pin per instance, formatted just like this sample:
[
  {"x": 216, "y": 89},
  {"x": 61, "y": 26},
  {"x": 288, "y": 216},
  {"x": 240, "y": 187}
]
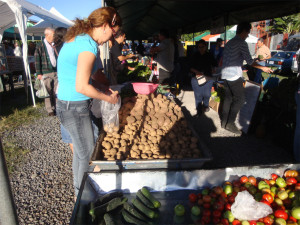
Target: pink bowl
[{"x": 144, "y": 88}]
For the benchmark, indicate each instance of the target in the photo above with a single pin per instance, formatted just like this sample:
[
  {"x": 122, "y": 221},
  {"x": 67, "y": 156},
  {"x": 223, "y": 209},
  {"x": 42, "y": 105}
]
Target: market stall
[{"x": 181, "y": 193}]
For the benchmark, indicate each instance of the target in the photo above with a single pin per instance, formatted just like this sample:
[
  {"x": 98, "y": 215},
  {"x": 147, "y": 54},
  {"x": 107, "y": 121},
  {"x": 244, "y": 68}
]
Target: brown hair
[
  {"x": 96, "y": 19},
  {"x": 59, "y": 34}
]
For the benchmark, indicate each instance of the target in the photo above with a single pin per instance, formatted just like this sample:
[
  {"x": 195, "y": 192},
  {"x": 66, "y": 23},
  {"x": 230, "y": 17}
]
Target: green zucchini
[
  {"x": 109, "y": 206},
  {"x": 131, "y": 219},
  {"x": 148, "y": 212},
  {"x": 144, "y": 200},
  {"x": 133, "y": 211},
  {"x": 149, "y": 196},
  {"x": 107, "y": 197},
  {"x": 109, "y": 219}
]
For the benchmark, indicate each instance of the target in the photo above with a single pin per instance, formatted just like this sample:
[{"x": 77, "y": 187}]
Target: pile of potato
[{"x": 151, "y": 127}]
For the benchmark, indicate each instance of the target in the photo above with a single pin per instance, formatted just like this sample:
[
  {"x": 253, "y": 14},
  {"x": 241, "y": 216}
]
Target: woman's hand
[{"x": 113, "y": 98}]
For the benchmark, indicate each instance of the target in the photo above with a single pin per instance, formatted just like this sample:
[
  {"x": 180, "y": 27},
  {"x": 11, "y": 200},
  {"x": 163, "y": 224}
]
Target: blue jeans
[
  {"x": 202, "y": 93},
  {"x": 75, "y": 117},
  {"x": 257, "y": 77},
  {"x": 297, "y": 130}
]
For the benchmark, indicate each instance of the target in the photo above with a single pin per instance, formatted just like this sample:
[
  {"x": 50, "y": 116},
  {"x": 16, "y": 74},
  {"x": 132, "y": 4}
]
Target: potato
[
  {"x": 113, "y": 151},
  {"x": 119, "y": 156},
  {"x": 144, "y": 156},
  {"x": 130, "y": 119},
  {"x": 133, "y": 154},
  {"x": 155, "y": 156},
  {"x": 153, "y": 133},
  {"x": 141, "y": 147},
  {"x": 134, "y": 147},
  {"x": 111, "y": 159},
  {"x": 125, "y": 136},
  {"x": 123, "y": 142},
  {"x": 107, "y": 145}
]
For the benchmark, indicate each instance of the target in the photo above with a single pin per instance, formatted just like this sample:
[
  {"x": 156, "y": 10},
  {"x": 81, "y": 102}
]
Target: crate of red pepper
[{"x": 280, "y": 194}]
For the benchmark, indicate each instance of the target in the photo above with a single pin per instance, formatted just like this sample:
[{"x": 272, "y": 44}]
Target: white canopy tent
[
  {"x": 17, "y": 12},
  {"x": 38, "y": 29},
  {"x": 250, "y": 39}
]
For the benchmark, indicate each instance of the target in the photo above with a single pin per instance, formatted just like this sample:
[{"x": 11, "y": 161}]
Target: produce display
[
  {"x": 151, "y": 127},
  {"x": 140, "y": 73},
  {"x": 214, "y": 205},
  {"x": 114, "y": 209}
]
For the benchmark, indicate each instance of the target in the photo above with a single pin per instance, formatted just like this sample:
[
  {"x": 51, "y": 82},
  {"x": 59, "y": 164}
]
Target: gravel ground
[{"x": 43, "y": 188}]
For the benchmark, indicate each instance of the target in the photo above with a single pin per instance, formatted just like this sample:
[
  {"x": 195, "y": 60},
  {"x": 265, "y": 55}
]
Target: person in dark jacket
[
  {"x": 203, "y": 65},
  {"x": 45, "y": 64},
  {"x": 217, "y": 50}
]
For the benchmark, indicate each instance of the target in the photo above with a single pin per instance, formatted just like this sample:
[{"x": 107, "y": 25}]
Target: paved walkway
[{"x": 229, "y": 150}]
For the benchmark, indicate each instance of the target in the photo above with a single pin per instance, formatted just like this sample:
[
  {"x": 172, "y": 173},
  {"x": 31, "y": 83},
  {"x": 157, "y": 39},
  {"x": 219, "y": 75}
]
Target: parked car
[
  {"x": 295, "y": 63},
  {"x": 281, "y": 62}
]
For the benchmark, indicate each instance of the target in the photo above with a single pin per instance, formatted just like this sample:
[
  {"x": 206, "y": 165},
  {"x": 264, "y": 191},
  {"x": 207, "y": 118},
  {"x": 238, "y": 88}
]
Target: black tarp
[{"x": 143, "y": 18}]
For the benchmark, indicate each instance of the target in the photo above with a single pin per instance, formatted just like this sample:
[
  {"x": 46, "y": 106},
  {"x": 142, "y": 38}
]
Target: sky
[{"x": 69, "y": 8}]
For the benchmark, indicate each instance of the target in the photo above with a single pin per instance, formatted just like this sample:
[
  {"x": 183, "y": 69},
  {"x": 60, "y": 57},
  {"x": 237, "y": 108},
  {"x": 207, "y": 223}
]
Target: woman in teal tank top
[{"x": 75, "y": 65}]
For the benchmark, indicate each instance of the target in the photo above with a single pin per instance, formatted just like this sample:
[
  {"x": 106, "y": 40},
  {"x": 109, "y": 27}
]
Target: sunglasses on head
[{"x": 113, "y": 22}]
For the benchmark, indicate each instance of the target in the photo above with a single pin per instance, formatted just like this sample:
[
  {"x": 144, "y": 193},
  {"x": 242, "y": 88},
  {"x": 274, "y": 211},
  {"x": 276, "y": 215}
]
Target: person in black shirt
[
  {"x": 117, "y": 60},
  {"x": 203, "y": 64},
  {"x": 140, "y": 49}
]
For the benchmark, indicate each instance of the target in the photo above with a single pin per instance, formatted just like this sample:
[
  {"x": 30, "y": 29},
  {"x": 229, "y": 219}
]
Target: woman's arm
[
  {"x": 122, "y": 57},
  {"x": 84, "y": 69}
]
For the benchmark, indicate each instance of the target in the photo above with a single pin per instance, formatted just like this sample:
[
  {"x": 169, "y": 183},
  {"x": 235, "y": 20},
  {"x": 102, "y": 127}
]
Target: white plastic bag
[
  {"x": 110, "y": 115},
  {"x": 246, "y": 208},
  {"x": 42, "y": 92}
]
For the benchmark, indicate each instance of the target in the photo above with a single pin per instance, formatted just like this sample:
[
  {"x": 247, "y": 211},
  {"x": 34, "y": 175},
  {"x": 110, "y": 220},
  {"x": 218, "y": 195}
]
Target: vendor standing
[
  {"x": 76, "y": 63},
  {"x": 165, "y": 56},
  {"x": 203, "y": 65},
  {"x": 262, "y": 54},
  {"x": 117, "y": 60}
]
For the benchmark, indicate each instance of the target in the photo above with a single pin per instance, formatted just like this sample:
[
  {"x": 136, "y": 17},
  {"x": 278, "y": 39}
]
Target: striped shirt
[{"x": 235, "y": 52}]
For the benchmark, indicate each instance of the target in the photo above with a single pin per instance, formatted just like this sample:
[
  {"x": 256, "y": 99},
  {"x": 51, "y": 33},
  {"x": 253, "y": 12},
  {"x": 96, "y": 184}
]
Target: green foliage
[
  {"x": 287, "y": 24},
  {"x": 189, "y": 37},
  {"x": 141, "y": 73},
  {"x": 21, "y": 117},
  {"x": 14, "y": 155}
]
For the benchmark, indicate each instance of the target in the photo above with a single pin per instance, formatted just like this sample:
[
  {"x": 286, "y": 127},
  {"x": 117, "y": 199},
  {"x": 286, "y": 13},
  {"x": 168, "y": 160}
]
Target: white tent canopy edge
[{"x": 17, "y": 12}]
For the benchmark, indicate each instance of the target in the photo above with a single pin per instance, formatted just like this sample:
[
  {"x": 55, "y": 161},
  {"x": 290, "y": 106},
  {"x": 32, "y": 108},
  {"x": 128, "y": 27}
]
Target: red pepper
[
  {"x": 218, "y": 206},
  {"x": 266, "y": 202},
  {"x": 216, "y": 220},
  {"x": 193, "y": 197},
  {"x": 268, "y": 220},
  {"x": 293, "y": 219},
  {"x": 268, "y": 197},
  {"x": 224, "y": 221},
  {"x": 291, "y": 181},
  {"x": 274, "y": 176},
  {"x": 281, "y": 214},
  {"x": 227, "y": 206},
  {"x": 236, "y": 222},
  {"x": 205, "y": 220},
  {"x": 244, "y": 179},
  {"x": 217, "y": 213},
  {"x": 206, "y": 212}
]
